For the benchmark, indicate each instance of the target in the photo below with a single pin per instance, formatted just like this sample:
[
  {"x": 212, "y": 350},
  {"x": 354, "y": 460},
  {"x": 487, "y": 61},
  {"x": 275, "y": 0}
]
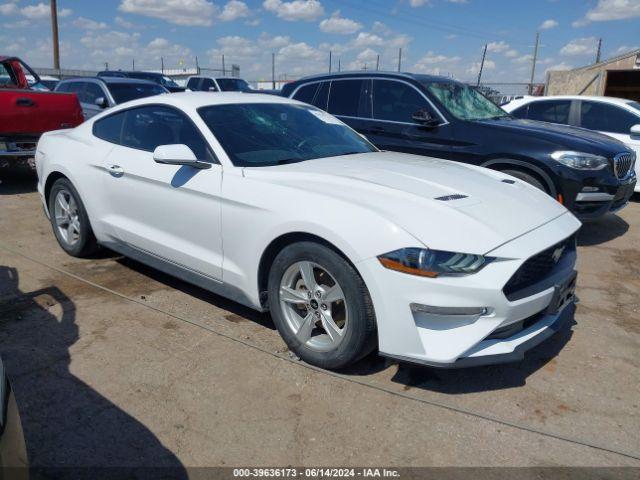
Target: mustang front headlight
[
  {"x": 432, "y": 263},
  {"x": 580, "y": 161}
]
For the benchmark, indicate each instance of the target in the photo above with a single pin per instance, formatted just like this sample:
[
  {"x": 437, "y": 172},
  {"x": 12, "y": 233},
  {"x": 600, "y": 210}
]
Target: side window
[
  {"x": 322, "y": 96},
  {"x": 77, "y": 88},
  {"x": 146, "y": 128},
  {"x": 606, "y": 118},
  {"x": 396, "y": 101},
  {"x": 62, "y": 87},
  {"x": 92, "y": 93},
  {"x": 306, "y": 93},
  {"x": 109, "y": 128},
  {"x": 208, "y": 85},
  {"x": 345, "y": 97},
  {"x": 192, "y": 84},
  {"x": 553, "y": 111},
  {"x": 521, "y": 112}
]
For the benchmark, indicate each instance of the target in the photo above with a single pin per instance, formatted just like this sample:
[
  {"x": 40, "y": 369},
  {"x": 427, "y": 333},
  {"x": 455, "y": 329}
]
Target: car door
[
  {"x": 394, "y": 103},
  {"x": 347, "y": 99},
  {"x": 92, "y": 92},
  {"x": 170, "y": 212},
  {"x": 611, "y": 120},
  {"x": 78, "y": 88},
  {"x": 551, "y": 111},
  {"x": 208, "y": 85},
  {"x": 194, "y": 84}
]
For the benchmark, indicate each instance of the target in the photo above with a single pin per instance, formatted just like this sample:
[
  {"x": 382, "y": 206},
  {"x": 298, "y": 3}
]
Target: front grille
[
  {"x": 538, "y": 267},
  {"x": 623, "y": 165}
]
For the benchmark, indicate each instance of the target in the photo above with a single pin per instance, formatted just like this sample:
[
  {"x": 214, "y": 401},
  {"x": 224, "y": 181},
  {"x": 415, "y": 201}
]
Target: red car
[{"x": 25, "y": 114}]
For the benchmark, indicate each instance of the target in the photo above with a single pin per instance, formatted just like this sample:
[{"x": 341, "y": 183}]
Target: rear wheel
[
  {"x": 321, "y": 306},
  {"x": 70, "y": 221},
  {"x": 526, "y": 177}
]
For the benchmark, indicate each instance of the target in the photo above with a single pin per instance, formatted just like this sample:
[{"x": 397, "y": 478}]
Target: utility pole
[
  {"x": 484, "y": 55},
  {"x": 533, "y": 64},
  {"x": 599, "y": 50},
  {"x": 273, "y": 70},
  {"x": 329, "y": 61},
  {"x": 400, "y": 59},
  {"x": 224, "y": 70},
  {"x": 339, "y": 65},
  {"x": 197, "y": 66},
  {"x": 106, "y": 65},
  {"x": 162, "y": 65},
  {"x": 54, "y": 31},
  {"x": 133, "y": 64},
  {"x": 378, "y": 62}
]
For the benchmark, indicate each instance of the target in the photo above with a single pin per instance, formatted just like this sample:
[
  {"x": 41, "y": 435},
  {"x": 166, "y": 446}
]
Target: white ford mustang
[{"x": 280, "y": 206}]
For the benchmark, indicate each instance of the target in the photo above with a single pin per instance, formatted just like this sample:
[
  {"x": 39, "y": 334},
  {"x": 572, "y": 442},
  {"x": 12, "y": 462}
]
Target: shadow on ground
[
  {"x": 601, "y": 231},
  {"x": 17, "y": 180},
  {"x": 70, "y": 429}
]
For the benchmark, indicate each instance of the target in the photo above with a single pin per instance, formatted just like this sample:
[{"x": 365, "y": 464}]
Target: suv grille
[
  {"x": 538, "y": 267},
  {"x": 623, "y": 164}
]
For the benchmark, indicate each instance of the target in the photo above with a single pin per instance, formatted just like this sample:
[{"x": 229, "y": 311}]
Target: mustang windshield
[
  {"x": 265, "y": 134},
  {"x": 464, "y": 102}
]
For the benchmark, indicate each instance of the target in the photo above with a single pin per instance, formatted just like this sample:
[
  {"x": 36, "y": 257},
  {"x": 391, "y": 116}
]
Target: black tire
[
  {"x": 86, "y": 243},
  {"x": 526, "y": 177},
  {"x": 359, "y": 337}
]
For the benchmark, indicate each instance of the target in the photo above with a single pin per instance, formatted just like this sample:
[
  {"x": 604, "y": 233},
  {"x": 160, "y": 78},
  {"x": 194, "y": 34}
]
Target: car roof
[
  {"x": 378, "y": 73},
  {"x": 195, "y": 100},
  {"x": 110, "y": 80}
]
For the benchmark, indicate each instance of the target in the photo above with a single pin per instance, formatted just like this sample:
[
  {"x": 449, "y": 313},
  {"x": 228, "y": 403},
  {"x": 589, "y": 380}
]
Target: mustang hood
[{"x": 443, "y": 204}]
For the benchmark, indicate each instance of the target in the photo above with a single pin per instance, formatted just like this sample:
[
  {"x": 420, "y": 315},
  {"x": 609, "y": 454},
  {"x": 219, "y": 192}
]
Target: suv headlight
[
  {"x": 432, "y": 263},
  {"x": 580, "y": 161}
]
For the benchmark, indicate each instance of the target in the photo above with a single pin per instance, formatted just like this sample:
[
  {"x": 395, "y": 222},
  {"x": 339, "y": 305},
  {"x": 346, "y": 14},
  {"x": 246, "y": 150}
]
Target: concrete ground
[{"x": 117, "y": 364}]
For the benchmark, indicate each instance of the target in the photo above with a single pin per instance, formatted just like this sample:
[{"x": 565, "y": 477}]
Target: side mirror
[
  {"x": 178, "y": 154},
  {"x": 425, "y": 118},
  {"x": 101, "y": 102},
  {"x": 635, "y": 131}
]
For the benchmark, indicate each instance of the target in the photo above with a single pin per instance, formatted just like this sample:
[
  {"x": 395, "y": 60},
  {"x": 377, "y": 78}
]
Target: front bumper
[{"x": 500, "y": 333}]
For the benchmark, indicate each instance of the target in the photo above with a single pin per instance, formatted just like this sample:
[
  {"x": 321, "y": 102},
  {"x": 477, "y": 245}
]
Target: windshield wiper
[{"x": 285, "y": 161}]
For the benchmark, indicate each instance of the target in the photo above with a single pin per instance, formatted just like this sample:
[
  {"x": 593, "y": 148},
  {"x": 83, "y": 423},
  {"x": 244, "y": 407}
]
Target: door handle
[
  {"x": 24, "y": 102},
  {"x": 115, "y": 170}
]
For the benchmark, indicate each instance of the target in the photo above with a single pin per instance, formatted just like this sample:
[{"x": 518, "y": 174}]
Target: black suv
[
  {"x": 590, "y": 173},
  {"x": 154, "y": 77}
]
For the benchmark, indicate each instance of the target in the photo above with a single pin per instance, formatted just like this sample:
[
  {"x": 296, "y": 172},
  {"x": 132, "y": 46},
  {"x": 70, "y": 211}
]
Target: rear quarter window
[{"x": 109, "y": 128}]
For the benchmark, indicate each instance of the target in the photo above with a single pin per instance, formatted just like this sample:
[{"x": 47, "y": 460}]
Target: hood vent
[{"x": 455, "y": 196}]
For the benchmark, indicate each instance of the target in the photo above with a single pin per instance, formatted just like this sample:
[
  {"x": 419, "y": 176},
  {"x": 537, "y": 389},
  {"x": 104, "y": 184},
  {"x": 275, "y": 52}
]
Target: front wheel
[{"x": 321, "y": 306}]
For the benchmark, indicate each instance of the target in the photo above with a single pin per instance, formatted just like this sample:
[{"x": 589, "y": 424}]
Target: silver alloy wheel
[
  {"x": 66, "y": 216},
  {"x": 314, "y": 306}
]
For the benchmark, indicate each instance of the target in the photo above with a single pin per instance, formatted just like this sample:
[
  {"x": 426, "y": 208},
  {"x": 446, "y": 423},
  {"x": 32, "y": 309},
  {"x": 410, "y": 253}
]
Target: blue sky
[{"x": 437, "y": 36}]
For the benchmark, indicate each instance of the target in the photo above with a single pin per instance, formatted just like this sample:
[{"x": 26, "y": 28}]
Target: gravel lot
[{"x": 116, "y": 364}]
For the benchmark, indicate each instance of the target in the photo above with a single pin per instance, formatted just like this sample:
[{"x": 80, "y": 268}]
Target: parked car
[
  {"x": 350, "y": 248},
  {"x": 199, "y": 83},
  {"x": 46, "y": 82},
  {"x": 590, "y": 173},
  {"x": 154, "y": 77},
  {"x": 617, "y": 117},
  {"x": 26, "y": 113},
  {"x": 97, "y": 93}
]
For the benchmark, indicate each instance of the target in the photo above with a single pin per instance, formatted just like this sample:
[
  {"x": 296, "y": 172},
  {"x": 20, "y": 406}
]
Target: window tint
[
  {"x": 396, "y": 101},
  {"x": 345, "y": 96},
  {"x": 145, "y": 128},
  {"x": 75, "y": 87},
  {"x": 553, "y": 111},
  {"x": 606, "y": 118},
  {"x": 92, "y": 93},
  {"x": 109, "y": 128},
  {"x": 521, "y": 112},
  {"x": 233, "y": 85},
  {"x": 208, "y": 85},
  {"x": 306, "y": 93},
  {"x": 192, "y": 84},
  {"x": 322, "y": 96},
  {"x": 123, "y": 92}
]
